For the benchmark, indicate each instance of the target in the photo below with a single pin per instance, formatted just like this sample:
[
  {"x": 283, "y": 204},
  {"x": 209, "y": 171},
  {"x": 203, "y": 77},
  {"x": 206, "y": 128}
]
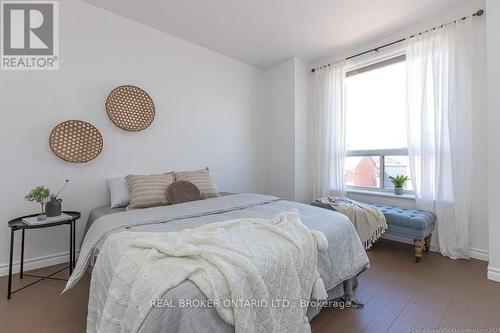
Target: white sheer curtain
[
  {"x": 328, "y": 132},
  {"x": 439, "y": 73}
]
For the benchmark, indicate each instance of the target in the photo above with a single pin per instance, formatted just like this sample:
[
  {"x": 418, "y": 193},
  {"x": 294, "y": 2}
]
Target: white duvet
[
  {"x": 342, "y": 260},
  {"x": 234, "y": 263}
]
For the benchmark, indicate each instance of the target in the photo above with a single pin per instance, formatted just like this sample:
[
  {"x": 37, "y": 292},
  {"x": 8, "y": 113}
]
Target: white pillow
[{"x": 118, "y": 191}]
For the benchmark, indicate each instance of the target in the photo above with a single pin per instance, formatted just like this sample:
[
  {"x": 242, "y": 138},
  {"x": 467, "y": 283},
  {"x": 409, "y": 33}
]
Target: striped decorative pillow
[
  {"x": 201, "y": 178},
  {"x": 148, "y": 191}
]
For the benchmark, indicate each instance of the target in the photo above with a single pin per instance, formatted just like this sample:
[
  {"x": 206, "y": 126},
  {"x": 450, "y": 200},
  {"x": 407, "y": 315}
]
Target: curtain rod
[{"x": 375, "y": 49}]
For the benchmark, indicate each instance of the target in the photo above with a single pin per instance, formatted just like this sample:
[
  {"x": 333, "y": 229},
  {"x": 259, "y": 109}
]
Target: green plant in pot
[
  {"x": 50, "y": 203},
  {"x": 41, "y": 195},
  {"x": 54, "y": 206},
  {"x": 399, "y": 182}
]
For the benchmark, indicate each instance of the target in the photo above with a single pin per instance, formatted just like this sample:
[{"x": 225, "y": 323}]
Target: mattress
[{"x": 338, "y": 266}]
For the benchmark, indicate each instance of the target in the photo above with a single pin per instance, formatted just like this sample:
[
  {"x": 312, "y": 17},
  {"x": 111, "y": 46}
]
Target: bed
[{"x": 339, "y": 265}]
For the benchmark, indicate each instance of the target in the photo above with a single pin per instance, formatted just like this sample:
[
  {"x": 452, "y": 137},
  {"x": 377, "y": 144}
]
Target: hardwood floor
[
  {"x": 41, "y": 308},
  {"x": 398, "y": 296}
]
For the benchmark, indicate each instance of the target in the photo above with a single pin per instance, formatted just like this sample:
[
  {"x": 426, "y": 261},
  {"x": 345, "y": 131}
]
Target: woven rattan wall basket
[
  {"x": 76, "y": 141},
  {"x": 130, "y": 108}
]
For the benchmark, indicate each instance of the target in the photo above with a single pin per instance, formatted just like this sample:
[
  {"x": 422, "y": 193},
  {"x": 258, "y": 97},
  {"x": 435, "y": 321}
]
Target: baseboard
[
  {"x": 494, "y": 274},
  {"x": 479, "y": 254},
  {"x": 38, "y": 262}
]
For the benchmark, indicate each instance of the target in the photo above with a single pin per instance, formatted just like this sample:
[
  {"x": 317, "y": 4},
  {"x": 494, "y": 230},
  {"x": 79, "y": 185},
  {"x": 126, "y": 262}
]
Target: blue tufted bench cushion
[
  {"x": 405, "y": 222},
  {"x": 408, "y": 222}
]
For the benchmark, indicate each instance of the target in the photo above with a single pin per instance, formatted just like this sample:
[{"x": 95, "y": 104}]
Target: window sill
[{"x": 406, "y": 196}]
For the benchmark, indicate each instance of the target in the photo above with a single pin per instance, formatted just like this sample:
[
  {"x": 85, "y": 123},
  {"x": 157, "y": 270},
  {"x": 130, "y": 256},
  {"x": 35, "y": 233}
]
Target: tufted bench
[
  {"x": 405, "y": 222},
  {"x": 412, "y": 223}
]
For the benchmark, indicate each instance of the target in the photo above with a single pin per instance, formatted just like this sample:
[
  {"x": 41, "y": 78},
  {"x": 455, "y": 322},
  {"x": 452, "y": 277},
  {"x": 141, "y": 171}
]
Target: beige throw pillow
[
  {"x": 148, "y": 191},
  {"x": 201, "y": 178}
]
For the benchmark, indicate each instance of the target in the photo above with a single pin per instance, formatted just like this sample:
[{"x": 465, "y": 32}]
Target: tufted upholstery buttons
[{"x": 407, "y": 217}]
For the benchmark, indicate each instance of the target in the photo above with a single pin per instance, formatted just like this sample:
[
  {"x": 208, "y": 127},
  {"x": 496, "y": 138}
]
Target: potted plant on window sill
[{"x": 399, "y": 182}]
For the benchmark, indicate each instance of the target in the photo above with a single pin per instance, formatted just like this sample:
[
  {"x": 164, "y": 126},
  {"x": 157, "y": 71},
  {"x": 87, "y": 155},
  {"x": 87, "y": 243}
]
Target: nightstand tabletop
[{"x": 18, "y": 223}]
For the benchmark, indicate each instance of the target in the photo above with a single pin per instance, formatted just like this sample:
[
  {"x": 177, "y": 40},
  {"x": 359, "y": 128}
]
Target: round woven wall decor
[
  {"x": 130, "y": 108},
  {"x": 76, "y": 141}
]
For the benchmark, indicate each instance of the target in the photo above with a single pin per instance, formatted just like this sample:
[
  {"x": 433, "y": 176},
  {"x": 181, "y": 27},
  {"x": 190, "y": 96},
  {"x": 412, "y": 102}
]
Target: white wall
[
  {"x": 287, "y": 126},
  {"x": 493, "y": 63},
  {"x": 303, "y": 85},
  {"x": 479, "y": 224},
  {"x": 478, "y": 229},
  {"x": 209, "y": 113},
  {"x": 280, "y": 134}
]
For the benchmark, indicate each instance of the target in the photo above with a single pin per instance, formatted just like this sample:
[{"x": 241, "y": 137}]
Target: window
[{"x": 376, "y": 125}]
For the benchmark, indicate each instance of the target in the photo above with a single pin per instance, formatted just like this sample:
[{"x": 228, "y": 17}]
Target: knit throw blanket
[
  {"x": 240, "y": 265},
  {"x": 368, "y": 220}
]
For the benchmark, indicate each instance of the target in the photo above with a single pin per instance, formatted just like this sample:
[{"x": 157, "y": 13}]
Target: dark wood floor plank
[
  {"x": 388, "y": 289},
  {"x": 338, "y": 318},
  {"x": 406, "y": 292},
  {"x": 383, "y": 284},
  {"x": 463, "y": 293},
  {"x": 433, "y": 293},
  {"x": 367, "y": 289},
  {"x": 484, "y": 311}
]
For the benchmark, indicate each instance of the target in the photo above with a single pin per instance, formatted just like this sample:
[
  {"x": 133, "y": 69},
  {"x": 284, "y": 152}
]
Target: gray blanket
[{"x": 343, "y": 260}]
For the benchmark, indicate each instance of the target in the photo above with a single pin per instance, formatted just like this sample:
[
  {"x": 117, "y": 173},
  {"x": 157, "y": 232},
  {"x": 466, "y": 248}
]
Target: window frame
[{"x": 381, "y": 153}]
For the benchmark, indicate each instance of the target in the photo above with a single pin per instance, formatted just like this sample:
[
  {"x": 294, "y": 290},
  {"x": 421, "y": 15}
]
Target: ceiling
[{"x": 265, "y": 32}]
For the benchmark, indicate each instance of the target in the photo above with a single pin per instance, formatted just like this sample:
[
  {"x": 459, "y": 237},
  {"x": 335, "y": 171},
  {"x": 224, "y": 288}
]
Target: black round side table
[{"x": 18, "y": 224}]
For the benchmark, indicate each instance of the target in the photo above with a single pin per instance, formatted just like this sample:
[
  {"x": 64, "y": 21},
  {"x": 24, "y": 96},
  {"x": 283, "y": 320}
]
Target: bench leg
[
  {"x": 427, "y": 241},
  {"x": 419, "y": 248}
]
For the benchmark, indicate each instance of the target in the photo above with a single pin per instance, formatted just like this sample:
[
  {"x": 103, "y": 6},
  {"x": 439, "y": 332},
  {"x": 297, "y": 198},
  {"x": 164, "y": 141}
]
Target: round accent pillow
[{"x": 182, "y": 191}]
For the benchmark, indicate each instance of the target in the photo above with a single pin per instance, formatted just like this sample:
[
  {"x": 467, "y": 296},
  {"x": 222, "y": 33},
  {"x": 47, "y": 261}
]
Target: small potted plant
[
  {"x": 54, "y": 206},
  {"x": 41, "y": 195},
  {"x": 399, "y": 182}
]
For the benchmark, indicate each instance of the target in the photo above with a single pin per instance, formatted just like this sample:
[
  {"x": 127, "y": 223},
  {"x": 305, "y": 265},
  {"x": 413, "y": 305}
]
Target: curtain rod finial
[{"x": 479, "y": 13}]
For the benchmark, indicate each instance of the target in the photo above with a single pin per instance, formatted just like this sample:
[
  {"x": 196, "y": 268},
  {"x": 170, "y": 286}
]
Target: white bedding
[
  {"x": 344, "y": 258},
  {"x": 234, "y": 263}
]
